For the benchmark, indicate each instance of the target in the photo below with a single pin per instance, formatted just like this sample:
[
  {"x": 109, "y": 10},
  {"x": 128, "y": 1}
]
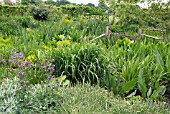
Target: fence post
[
  {"x": 107, "y": 34},
  {"x": 139, "y": 33},
  {"x": 164, "y": 37}
]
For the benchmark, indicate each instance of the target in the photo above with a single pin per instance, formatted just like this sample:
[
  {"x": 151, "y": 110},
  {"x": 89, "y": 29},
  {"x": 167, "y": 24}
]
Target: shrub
[{"x": 40, "y": 14}]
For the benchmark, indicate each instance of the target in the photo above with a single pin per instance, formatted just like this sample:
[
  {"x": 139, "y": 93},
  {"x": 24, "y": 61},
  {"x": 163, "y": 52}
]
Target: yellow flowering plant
[{"x": 31, "y": 58}]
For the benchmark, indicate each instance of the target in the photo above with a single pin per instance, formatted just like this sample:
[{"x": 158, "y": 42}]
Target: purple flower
[
  {"x": 49, "y": 77},
  {"x": 13, "y": 61},
  {"x": 43, "y": 67},
  {"x": 3, "y": 56},
  {"x": 30, "y": 65},
  {"x": 27, "y": 63},
  {"x": 53, "y": 60},
  {"x": 40, "y": 64},
  {"x": 4, "y": 62},
  {"x": 46, "y": 61},
  {"x": 30, "y": 103},
  {"x": 9, "y": 61},
  {"x": 20, "y": 73},
  {"x": 18, "y": 55},
  {"x": 51, "y": 69}
]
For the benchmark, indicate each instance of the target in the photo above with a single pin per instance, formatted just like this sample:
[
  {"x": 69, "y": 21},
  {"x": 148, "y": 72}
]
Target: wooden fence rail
[{"x": 108, "y": 33}]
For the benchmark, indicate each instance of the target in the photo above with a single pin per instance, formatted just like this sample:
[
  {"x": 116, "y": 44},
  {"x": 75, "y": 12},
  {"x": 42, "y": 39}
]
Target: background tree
[
  {"x": 50, "y": 2},
  {"x": 34, "y": 2},
  {"x": 90, "y": 4},
  {"x": 62, "y": 2},
  {"x": 102, "y": 4}
]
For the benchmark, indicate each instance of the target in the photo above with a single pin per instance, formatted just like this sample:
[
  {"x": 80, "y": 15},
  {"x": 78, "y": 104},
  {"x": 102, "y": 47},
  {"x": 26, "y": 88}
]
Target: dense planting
[{"x": 49, "y": 48}]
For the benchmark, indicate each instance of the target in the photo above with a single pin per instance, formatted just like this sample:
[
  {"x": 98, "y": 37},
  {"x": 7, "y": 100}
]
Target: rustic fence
[{"x": 135, "y": 38}]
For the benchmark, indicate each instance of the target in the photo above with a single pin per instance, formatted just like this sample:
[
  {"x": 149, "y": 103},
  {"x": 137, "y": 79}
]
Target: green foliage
[
  {"x": 32, "y": 2},
  {"x": 40, "y": 14},
  {"x": 5, "y": 43},
  {"x": 8, "y": 101},
  {"x": 80, "y": 62},
  {"x": 49, "y": 98},
  {"x": 93, "y": 99},
  {"x": 125, "y": 67},
  {"x": 12, "y": 10},
  {"x": 126, "y": 15},
  {"x": 17, "y": 97},
  {"x": 39, "y": 99},
  {"x": 138, "y": 61},
  {"x": 10, "y": 25},
  {"x": 50, "y": 2},
  {"x": 62, "y": 2}
]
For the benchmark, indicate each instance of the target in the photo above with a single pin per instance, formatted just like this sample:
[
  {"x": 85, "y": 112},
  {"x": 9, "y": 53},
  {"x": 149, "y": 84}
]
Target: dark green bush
[{"x": 40, "y": 14}]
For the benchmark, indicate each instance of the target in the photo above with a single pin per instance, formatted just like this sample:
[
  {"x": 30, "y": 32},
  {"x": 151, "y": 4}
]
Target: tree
[
  {"x": 90, "y": 4},
  {"x": 34, "y": 2},
  {"x": 62, "y": 2},
  {"x": 50, "y": 2}
]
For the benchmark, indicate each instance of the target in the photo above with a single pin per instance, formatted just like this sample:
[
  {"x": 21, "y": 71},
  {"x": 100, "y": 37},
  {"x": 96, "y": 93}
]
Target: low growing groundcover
[{"x": 49, "y": 98}]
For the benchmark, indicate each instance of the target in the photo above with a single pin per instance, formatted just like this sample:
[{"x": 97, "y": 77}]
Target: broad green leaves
[
  {"x": 142, "y": 84},
  {"x": 129, "y": 85}
]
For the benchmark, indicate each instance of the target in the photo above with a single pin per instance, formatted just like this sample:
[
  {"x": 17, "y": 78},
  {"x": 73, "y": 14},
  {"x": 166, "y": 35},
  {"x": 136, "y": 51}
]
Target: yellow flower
[
  {"x": 66, "y": 21},
  {"x": 63, "y": 43},
  {"x": 31, "y": 58},
  {"x": 46, "y": 47}
]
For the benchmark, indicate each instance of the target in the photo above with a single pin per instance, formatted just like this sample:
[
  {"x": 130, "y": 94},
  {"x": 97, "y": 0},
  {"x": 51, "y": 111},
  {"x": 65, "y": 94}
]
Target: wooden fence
[{"x": 108, "y": 33}]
